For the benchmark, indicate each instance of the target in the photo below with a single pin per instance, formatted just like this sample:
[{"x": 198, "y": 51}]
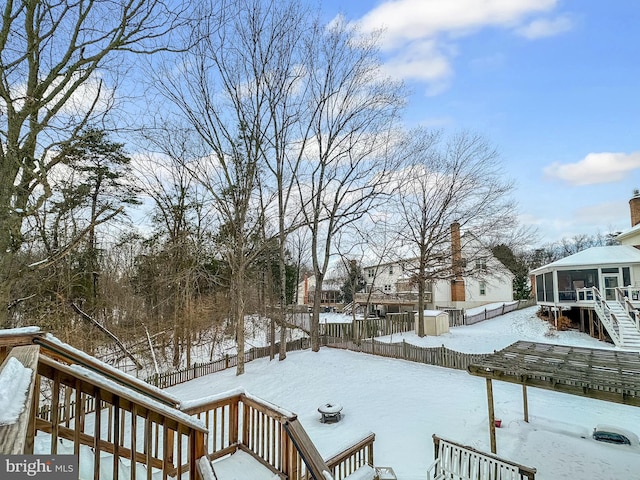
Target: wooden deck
[{"x": 121, "y": 427}]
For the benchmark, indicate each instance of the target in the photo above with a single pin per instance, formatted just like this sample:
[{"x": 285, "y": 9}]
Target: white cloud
[
  {"x": 605, "y": 167},
  {"x": 419, "y": 34},
  {"x": 415, "y": 19},
  {"x": 546, "y": 27},
  {"x": 422, "y": 61}
]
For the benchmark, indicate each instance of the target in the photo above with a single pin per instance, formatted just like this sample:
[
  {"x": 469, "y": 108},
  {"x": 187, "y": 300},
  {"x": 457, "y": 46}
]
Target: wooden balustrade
[
  {"x": 273, "y": 436},
  {"x": 122, "y": 429},
  {"x": 351, "y": 459},
  {"x": 118, "y": 427},
  {"x": 140, "y": 435}
]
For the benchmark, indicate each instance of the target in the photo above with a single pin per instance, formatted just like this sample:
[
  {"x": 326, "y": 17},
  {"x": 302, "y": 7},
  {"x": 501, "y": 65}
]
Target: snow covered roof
[
  {"x": 595, "y": 256},
  {"x": 628, "y": 233}
]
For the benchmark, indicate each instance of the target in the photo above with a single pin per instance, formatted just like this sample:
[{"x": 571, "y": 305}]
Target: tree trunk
[
  {"x": 237, "y": 288},
  {"x": 314, "y": 327},
  {"x": 421, "y": 289},
  {"x": 283, "y": 295}
]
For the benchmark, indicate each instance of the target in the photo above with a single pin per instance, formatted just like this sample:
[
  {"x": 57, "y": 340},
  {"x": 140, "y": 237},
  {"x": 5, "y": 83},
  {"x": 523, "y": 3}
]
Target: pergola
[{"x": 609, "y": 375}]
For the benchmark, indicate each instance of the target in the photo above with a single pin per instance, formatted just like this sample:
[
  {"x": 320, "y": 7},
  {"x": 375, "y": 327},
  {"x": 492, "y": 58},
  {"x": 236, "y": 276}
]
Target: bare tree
[
  {"x": 227, "y": 88},
  {"x": 55, "y": 57},
  {"x": 451, "y": 185},
  {"x": 180, "y": 239},
  {"x": 373, "y": 242},
  {"x": 286, "y": 89},
  {"x": 347, "y": 163}
]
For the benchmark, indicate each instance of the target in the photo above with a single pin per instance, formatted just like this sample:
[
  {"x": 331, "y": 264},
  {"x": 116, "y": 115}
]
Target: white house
[
  {"x": 484, "y": 280},
  {"x": 599, "y": 286}
]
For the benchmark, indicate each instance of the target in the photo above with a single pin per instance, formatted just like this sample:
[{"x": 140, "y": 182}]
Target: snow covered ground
[
  {"x": 405, "y": 403},
  {"x": 499, "y": 332}
]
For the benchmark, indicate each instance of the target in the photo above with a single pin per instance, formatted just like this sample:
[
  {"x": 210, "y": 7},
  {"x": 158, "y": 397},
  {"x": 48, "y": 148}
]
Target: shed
[{"x": 436, "y": 322}]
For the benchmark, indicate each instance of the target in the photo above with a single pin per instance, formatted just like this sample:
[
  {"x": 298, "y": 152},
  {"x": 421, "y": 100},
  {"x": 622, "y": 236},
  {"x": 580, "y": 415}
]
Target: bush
[{"x": 564, "y": 323}]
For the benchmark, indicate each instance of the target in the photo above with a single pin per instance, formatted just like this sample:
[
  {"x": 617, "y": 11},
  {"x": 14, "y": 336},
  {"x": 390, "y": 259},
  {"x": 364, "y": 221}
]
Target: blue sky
[{"x": 552, "y": 84}]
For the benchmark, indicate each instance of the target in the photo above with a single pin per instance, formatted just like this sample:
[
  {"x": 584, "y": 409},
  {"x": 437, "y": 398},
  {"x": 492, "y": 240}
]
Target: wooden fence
[
  {"x": 438, "y": 356},
  {"x": 370, "y": 327},
  {"x": 486, "y": 314},
  {"x": 342, "y": 336},
  {"x": 169, "y": 379}
]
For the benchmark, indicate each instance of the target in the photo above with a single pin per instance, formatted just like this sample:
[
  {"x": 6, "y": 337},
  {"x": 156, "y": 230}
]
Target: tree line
[{"x": 169, "y": 170}]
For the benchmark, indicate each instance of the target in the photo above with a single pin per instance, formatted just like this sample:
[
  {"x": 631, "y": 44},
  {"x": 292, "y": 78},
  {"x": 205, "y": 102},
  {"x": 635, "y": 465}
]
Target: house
[
  {"x": 330, "y": 295},
  {"x": 462, "y": 284},
  {"x": 599, "y": 286}
]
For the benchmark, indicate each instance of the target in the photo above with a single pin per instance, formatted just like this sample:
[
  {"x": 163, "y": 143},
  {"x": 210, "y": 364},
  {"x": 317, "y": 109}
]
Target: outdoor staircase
[
  {"x": 348, "y": 308},
  {"x": 613, "y": 315},
  {"x": 628, "y": 333}
]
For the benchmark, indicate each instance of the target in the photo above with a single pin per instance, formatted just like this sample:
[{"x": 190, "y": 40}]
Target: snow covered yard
[
  {"x": 405, "y": 403},
  {"x": 499, "y": 332}
]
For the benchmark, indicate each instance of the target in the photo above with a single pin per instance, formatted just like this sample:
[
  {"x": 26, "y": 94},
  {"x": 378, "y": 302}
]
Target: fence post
[
  {"x": 503, "y": 309},
  {"x": 404, "y": 349},
  {"x": 226, "y": 361}
]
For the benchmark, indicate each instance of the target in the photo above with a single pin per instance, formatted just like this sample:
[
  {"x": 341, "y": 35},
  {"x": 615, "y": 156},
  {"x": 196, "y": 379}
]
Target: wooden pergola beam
[{"x": 607, "y": 375}]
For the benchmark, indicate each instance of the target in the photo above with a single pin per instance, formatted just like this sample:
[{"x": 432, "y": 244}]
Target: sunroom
[{"x": 568, "y": 282}]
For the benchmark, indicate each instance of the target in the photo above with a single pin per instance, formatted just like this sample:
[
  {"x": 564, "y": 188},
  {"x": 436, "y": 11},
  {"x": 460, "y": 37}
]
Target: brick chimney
[
  {"x": 634, "y": 206},
  {"x": 457, "y": 283}
]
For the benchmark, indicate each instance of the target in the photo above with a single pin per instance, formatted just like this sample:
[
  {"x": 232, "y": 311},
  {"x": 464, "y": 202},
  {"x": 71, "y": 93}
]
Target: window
[
  {"x": 370, "y": 273},
  {"x": 481, "y": 265},
  {"x": 483, "y": 288},
  {"x": 387, "y": 288},
  {"x": 391, "y": 270}
]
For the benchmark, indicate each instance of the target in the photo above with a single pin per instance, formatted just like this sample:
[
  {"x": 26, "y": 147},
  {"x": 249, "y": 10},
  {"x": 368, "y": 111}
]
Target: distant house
[
  {"x": 391, "y": 287},
  {"x": 599, "y": 286},
  {"x": 330, "y": 296}
]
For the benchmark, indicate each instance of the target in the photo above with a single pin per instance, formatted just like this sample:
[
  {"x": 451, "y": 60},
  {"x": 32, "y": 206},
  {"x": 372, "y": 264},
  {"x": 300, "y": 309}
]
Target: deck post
[
  {"x": 492, "y": 419},
  {"x": 525, "y": 402}
]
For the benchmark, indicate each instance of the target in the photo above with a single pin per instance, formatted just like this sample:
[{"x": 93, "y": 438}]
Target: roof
[
  {"x": 628, "y": 233},
  {"x": 611, "y": 255},
  {"x": 610, "y": 375}
]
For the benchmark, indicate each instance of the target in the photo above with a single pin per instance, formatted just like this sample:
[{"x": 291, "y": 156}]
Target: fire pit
[{"x": 330, "y": 412}]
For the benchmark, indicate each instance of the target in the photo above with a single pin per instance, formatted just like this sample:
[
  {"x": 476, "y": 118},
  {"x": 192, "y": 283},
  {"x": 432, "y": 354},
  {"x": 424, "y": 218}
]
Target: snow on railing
[
  {"x": 238, "y": 420},
  {"x": 606, "y": 317}
]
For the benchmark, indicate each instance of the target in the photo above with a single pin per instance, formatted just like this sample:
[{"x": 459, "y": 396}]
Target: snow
[
  {"x": 19, "y": 331},
  {"x": 191, "y": 404},
  {"x": 404, "y": 403},
  {"x": 498, "y": 333},
  {"x": 595, "y": 256},
  {"x": 333, "y": 317},
  {"x": 242, "y": 466},
  {"x": 488, "y": 307},
  {"x": 144, "y": 400},
  {"x": 205, "y": 469},
  {"x": 14, "y": 387},
  {"x": 363, "y": 473}
]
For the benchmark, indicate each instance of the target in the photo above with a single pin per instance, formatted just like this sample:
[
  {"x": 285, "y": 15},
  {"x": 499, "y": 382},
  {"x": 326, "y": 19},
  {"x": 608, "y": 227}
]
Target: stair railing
[
  {"x": 606, "y": 317},
  {"x": 633, "y": 313}
]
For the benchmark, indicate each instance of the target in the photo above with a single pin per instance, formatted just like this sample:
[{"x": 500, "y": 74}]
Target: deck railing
[
  {"x": 273, "y": 436},
  {"x": 127, "y": 435},
  {"x": 348, "y": 461}
]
